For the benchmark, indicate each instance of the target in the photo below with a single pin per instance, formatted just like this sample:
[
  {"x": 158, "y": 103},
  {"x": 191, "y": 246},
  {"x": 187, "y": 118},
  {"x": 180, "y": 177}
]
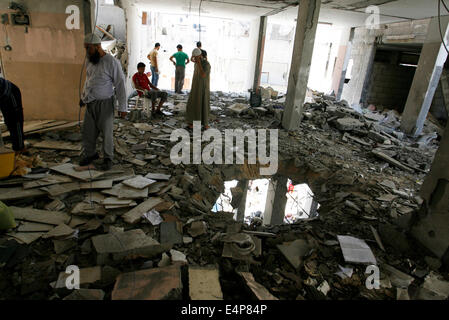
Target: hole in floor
[{"x": 267, "y": 201}]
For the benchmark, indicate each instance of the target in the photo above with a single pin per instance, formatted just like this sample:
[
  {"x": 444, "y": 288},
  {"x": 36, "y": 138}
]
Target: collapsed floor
[{"x": 145, "y": 229}]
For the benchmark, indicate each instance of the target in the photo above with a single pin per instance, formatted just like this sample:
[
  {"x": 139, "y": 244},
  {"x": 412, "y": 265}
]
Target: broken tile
[
  {"x": 197, "y": 228},
  {"x": 295, "y": 251},
  {"x": 356, "y": 250},
  {"x": 131, "y": 243},
  {"x": 138, "y": 182},
  {"x": 170, "y": 234},
  {"x": 259, "y": 291},
  {"x": 68, "y": 169},
  {"x": 86, "y": 294},
  {"x": 204, "y": 283},
  {"x": 158, "y": 176},
  {"x": 61, "y": 231},
  {"x": 134, "y": 215},
  {"x": 150, "y": 284}
]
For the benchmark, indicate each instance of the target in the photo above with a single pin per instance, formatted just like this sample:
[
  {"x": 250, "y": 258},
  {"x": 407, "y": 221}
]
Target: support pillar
[
  {"x": 341, "y": 65},
  {"x": 242, "y": 185},
  {"x": 260, "y": 51},
  {"x": 430, "y": 67},
  {"x": 276, "y": 201},
  {"x": 444, "y": 81},
  {"x": 306, "y": 25},
  {"x": 432, "y": 225}
]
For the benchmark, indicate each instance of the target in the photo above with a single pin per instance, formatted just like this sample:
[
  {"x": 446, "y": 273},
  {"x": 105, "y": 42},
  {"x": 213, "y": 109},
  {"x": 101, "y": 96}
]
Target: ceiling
[{"x": 338, "y": 12}]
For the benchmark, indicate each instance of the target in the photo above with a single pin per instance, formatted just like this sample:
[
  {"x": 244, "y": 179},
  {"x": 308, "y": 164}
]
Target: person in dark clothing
[{"x": 12, "y": 110}]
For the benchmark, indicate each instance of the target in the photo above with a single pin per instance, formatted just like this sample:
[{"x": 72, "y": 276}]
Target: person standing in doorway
[
  {"x": 182, "y": 59},
  {"x": 198, "y": 105},
  {"x": 12, "y": 110},
  {"x": 103, "y": 74},
  {"x": 154, "y": 64}
]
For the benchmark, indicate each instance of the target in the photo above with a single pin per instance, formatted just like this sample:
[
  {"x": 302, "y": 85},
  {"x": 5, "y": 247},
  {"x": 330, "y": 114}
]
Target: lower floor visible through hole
[{"x": 267, "y": 201}]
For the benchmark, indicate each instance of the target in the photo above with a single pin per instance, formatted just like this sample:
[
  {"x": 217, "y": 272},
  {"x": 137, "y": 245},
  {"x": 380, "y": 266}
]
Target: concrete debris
[
  {"x": 356, "y": 250},
  {"x": 152, "y": 284},
  {"x": 363, "y": 171}
]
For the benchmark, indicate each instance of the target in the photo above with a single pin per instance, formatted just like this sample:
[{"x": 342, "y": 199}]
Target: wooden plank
[
  {"x": 31, "y": 125},
  {"x": 47, "y": 181},
  {"x": 59, "y": 189},
  {"x": 101, "y": 184},
  {"x": 18, "y": 193},
  {"x": 134, "y": 215},
  {"x": 58, "y": 145},
  {"x": 68, "y": 169},
  {"x": 40, "y": 216},
  {"x": 57, "y": 128}
]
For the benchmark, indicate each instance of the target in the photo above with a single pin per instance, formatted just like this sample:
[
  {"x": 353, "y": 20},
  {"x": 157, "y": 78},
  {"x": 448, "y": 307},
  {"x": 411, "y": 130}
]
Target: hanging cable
[
  {"x": 84, "y": 64},
  {"x": 439, "y": 24},
  {"x": 444, "y": 4},
  {"x": 199, "y": 20}
]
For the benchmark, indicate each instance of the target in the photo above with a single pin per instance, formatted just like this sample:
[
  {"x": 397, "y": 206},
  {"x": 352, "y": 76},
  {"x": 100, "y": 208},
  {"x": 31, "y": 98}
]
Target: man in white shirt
[{"x": 103, "y": 74}]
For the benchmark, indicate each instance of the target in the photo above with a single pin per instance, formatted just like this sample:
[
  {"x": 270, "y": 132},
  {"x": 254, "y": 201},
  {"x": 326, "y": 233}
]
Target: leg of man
[
  {"x": 181, "y": 78},
  {"x": 106, "y": 125},
  {"x": 163, "y": 95},
  {"x": 13, "y": 113},
  {"x": 153, "y": 96},
  {"x": 154, "y": 76},
  {"x": 90, "y": 130},
  {"x": 177, "y": 76}
]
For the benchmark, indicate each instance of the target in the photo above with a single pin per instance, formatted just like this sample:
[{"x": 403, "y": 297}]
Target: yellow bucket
[{"x": 7, "y": 161}]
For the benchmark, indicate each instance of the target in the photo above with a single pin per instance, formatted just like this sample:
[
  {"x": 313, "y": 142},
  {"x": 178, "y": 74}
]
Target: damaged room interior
[{"x": 224, "y": 150}]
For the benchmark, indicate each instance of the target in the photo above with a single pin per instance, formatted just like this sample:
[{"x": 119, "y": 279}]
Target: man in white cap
[
  {"x": 103, "y": 74},
  {"x": 198, "y": 105}
]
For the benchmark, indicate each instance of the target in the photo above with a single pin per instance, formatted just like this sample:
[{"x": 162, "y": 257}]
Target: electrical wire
[
  {"x": 199, "y": 20},
  {"x": 439, "y": 24}
]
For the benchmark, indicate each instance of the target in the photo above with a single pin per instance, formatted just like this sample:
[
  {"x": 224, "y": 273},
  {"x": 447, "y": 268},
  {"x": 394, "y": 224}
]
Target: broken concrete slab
[
  {"x": 356, "y": 250},
  {"x": 130, "y": 193},
  {"x": 348, "y": 124},
  {"x": 136, "y": 214},
  {"x": 197, "y": 228},
  {"x": 132, "y": 243},
  {"x": 68, "y": 169},
  {"x": 60, "y": 189},
  {"x": 260, "y": 292},
  {"x": 86, "y": 294},
  {"x": 87, "y": 276},
  {"x": 150, "y": 284},
  {"x": 10, "y": 194},
  {"x": 25, "y": 237},
  {"x": 51, "y": 179},
  {"x": 41, "y": 216},
  {"x": 57, "y": 145},
  {"x": 170, "y": 233},
  {"x": 398, "y": 278},
  {"x": 390, "y": 160},
  {"x": 61, "y": 231},
  {"x": 178, "y": 256},
  {"x": 158, "y": 176},
  {"x": 238, "y": 108},
  {"x": 102, "y": 184},
  {"x": 434, "y": 288},
  {"x": 34, "y": 227},
  {"x": 295, "y": 251},
  {"x": 138, "y": 182},
  {"x": 204, "y": 283},
  {"x": 84, "y": 208}
]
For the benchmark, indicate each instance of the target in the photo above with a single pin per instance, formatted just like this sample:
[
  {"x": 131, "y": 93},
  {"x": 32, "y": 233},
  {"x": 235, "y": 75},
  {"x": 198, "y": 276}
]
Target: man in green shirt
[{"x": 181, "y": 60}]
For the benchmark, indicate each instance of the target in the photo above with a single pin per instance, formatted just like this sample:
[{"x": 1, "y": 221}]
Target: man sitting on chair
[{"x": 145, "y": 88}]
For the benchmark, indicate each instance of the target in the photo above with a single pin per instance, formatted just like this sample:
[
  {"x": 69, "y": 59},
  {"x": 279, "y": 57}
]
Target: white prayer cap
[
  {"x": 196, "y": 52},
  {"x": 92, "y": 38}
]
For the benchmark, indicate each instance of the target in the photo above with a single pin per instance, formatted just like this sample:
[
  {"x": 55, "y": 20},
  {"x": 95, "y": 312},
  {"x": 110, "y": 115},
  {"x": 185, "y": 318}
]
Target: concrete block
[
  {"x": 151, "y": 284},
  {"x": 204, "y": 284}
]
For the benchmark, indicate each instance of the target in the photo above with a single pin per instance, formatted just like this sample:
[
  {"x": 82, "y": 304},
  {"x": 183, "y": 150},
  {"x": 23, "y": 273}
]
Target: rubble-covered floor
[{"x": 155, "y": 236}]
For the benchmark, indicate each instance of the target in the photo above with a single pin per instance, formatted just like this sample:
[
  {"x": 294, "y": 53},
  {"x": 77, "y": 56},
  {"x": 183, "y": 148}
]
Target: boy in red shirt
[{"x": 144, "y": 86}]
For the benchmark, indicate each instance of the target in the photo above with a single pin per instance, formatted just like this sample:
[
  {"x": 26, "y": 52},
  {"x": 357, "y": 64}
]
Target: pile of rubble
[{"x": 145, "y": 230}]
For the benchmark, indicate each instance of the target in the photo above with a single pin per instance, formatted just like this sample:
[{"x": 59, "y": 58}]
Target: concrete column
[
  {"x": 260, "y": 51},
  {"x": 341, "y": 65},
  {"x": 306, "y": 25},
  {"x": 432, "y": 226},
  {"x": 253, "y": 49},
  {"x": 430, "y": 67},
  {"x": 243, "y": 185},
  {"x": 444, "y": 81},
  {"x": 276, "y": 200}
]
